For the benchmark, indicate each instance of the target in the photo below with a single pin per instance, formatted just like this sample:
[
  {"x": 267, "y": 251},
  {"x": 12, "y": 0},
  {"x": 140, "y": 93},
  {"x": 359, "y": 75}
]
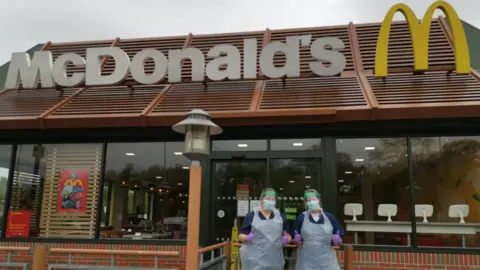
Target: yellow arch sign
[{"x": 420, "y": 33}]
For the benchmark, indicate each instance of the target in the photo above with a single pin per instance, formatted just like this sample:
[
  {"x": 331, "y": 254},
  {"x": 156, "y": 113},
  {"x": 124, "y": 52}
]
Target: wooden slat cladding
[
  {"x": 133, "y": 46},
  {"x": 400, "y": 52},
  {"x": 312, "y": 93},
  {"x": 216, "y": 96},
  {"x": 78, "y": 48},
  {"x": 429, "y": 88},
  {"x": 111, "y": 100},
  {"x": 205, "y": 43},
  {"x": 65, "y": 157},
  {"x": 305, "y": 56},
  {"x": 31, "y": 102}
]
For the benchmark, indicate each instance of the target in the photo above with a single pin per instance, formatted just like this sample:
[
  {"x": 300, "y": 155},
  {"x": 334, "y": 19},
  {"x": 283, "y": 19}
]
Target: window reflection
[
  {"x": 373, "y": 172},
  {"x": 447, "y": 172},
  {"x": 57, "y": 185},
  {"x": 5, "y": 152},
  {"x": 240, "y": 145},
  {"x": 150, "y": 191},
  {"x": 295, "y": 144}
]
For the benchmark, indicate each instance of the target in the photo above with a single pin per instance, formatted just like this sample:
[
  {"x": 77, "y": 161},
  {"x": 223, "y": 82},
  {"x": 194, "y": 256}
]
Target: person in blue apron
[
  {"x": 264, "y": 233},
  {"x": 318, "y": 234}
]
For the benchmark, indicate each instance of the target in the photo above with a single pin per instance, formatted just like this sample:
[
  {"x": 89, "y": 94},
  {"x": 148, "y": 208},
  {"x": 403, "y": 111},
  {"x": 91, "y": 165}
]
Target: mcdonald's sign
[{"x": 420, "y": 32}]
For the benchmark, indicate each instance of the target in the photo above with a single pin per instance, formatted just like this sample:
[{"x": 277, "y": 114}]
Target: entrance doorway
[
  {"x": 229, "y": 175},
  {"x": 237, "y": 183}
]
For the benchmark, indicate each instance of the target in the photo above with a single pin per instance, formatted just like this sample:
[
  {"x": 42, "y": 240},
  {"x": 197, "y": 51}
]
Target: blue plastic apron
[{"x": 316, "y": 252}]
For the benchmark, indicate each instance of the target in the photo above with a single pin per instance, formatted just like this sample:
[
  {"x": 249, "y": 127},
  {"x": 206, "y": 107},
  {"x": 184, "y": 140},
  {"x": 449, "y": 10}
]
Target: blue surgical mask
[
  {"x": 269, "y": 205},
  {"x": 313, "y": 205}
]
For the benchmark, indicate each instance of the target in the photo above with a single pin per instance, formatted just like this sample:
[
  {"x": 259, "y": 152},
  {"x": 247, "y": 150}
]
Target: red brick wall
[
  {"x": 100, "y": 259},
  {"x": 401, "y": 260},
  {"x": 363, "y": 259}
]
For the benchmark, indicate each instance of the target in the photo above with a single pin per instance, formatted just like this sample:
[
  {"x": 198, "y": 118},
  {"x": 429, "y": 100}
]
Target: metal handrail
[
  {"x": 9, "y": 262},
  {"x": 117, "y": 252},
  {"x": 112, "y": 254},
  {"x": 220, "y": 261},
  {"x": 212, "y": 247}
]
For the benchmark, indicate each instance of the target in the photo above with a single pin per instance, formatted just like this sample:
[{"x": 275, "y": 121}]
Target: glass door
[
  {"x": 234, "y": 181},
  {"x": 290, "y": 178}
]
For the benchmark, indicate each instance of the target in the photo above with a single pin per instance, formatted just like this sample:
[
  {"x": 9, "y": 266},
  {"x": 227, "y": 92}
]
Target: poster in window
[
  {"x": 73, "y": 191},
  {"x": 18, "y": 223}
]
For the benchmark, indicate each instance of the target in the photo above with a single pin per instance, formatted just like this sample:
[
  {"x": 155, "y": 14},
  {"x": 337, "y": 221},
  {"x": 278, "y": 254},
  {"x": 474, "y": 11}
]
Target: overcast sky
[{"x": 24, "y": 23}]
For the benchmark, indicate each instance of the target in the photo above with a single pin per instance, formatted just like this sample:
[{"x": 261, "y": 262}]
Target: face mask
[
  {"x": 313, "y": 205},
  {"x": 269, "y": 205}
]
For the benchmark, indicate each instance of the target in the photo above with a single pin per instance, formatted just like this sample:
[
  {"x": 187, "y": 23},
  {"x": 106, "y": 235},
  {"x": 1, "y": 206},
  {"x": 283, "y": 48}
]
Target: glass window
[
  {"x": 446, "y": 172},
  {"x": 295, "y": 144},
  {"x": 374, "y": 173},
  {"x": 240, "y": 145},
  {"x": 150, "y": 191},
  {"x": 55, "y": 191},
  {"x": 5, "y": 152}
]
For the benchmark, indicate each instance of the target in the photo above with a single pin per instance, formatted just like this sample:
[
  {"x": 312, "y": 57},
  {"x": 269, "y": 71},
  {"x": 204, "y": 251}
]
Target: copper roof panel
[
  {"x": 217, "y": 96},
  {"x": 31, "y": 102},
  {"x": 305, "y": 56},
  {"x": 79, "y": 48},
  {"x": 133, "y": 46},
  {"x": 400, "y": 54},
  {"x": 312, "y": 93},
  {"x": 431, "y": 87},
  {"x": 110, "y": 100}
]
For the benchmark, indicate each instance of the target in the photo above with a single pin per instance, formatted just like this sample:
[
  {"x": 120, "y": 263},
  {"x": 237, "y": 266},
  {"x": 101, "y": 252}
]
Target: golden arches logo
[
  {"x": 73, "y": 183},
  {"x": 420, "y": 33}
]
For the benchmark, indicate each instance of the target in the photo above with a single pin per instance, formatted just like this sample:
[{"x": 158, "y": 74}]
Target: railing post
[
  {"x": 349, "y": 257},
  {"x": 228, "y": 253},
  {"x": 39, "y": 258}
]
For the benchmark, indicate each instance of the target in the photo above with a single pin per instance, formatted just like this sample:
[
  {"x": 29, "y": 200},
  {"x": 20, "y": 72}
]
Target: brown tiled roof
[{"x": 354, "y": 95}]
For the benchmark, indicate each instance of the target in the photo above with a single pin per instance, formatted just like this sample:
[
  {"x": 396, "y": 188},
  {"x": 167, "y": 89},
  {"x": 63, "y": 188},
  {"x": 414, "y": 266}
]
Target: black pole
[
  {"x": 100, "y": 195},
  {"x": 8, "y": 192},
  {"x": 412, "y": 192}
]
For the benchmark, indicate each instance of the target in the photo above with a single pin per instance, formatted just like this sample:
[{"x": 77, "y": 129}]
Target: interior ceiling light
[
  {"x": 369, "y": 148},
  {"x": 359, "y": 160},
  {"x": 158, "y": 177},
  {"x": 307, "y": 177},
  {"x": 348, "y": 172},
  {"x": 130, "y": 154},
  {"x": 243, "y": 145},
  {"x": 297, "y": 144},
  {"x": 185, "y": 168},
  {"x": 341, "y": 181},
  {"x": 177, "y": 153}
]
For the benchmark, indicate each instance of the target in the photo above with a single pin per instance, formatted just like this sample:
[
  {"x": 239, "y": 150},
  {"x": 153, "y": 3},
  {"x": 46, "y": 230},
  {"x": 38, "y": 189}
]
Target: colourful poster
[
  {"x": 72, "y": 191},
  {"x": 18, "y": 223}
]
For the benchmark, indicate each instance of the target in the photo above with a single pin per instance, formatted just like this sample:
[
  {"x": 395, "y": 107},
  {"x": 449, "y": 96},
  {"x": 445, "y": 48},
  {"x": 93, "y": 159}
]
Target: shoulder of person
[{"x": 330, "y": 215}]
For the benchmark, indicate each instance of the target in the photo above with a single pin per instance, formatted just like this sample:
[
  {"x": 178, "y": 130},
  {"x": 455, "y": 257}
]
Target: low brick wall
[
  {"x": 363, "y": 259},
  {"x": 402, "y": 260},
  {"x": 100, "y": 259}
]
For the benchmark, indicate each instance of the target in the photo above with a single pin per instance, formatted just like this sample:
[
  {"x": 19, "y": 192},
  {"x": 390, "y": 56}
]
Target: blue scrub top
[
  {"x": 246, "y": 227},
  {"x": 333, "y": 220}
]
